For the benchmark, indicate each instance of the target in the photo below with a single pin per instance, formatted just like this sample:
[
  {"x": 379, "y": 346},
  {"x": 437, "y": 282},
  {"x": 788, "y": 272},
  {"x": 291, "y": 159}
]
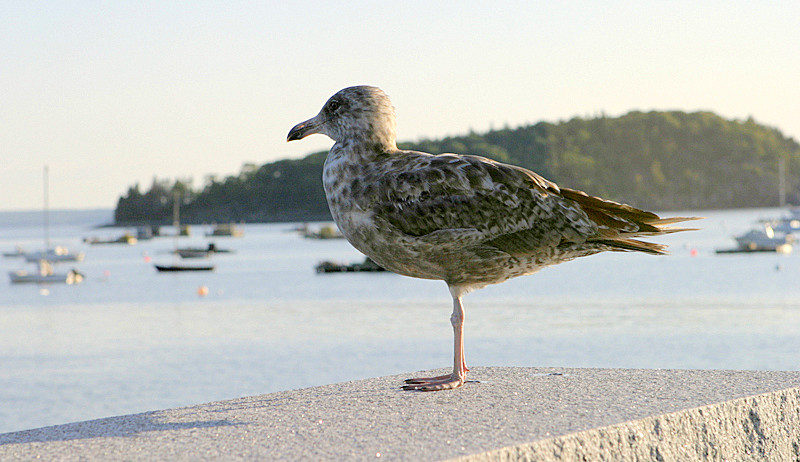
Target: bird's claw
[{"x": 442, "y": 382}]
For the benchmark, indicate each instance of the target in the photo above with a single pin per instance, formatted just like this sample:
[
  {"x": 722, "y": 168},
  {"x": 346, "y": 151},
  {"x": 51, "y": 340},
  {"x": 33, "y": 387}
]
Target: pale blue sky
[{"x": 109, "y": 93}]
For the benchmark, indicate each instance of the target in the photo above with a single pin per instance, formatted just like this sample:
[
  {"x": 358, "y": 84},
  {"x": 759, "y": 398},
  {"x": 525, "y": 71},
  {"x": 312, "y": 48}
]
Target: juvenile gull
[{"x": 467, "y": 220}]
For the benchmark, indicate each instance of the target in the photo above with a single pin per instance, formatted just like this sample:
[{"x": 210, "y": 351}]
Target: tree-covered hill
[{"x": 656, "y": 160}]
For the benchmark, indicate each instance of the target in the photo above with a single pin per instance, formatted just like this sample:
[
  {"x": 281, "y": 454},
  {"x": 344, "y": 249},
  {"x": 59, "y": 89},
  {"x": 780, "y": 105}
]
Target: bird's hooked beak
[{"x": 303, "y": 129}]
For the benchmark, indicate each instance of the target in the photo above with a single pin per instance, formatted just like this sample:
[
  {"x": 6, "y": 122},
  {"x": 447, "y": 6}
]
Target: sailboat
[
  {"x": 176, "y": 222},
  {"x": 48, "y": 256}
]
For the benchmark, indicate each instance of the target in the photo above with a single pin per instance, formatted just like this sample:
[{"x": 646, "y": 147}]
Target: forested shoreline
[{"x": 661, "y": 160}]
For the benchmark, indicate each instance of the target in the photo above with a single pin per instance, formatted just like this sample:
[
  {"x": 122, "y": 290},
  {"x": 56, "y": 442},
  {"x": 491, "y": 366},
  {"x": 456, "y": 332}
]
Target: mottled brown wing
[{"x": 510, "y": 208}]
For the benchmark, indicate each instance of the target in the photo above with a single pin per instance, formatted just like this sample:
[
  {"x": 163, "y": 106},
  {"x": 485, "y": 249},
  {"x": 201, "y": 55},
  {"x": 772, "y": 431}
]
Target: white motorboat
[
  {"x": 18, "y": 252},
  {"x": 763, "y": 239},
  {"x": 45, "y": 275},
  {"x": 56, "y": 254}
]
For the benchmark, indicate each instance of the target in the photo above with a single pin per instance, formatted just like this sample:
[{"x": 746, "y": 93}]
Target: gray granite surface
[{"x": 509, "y": 413}]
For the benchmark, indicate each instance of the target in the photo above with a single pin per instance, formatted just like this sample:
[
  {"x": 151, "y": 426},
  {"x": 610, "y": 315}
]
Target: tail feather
[
  {"x": 619, "y": 223},
  {"x": 634, "y": 245},
  {"x": 672, "y": 220}
]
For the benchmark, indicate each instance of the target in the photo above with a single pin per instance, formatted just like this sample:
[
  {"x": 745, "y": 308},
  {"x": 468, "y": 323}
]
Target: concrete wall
[
  {"x": 506, "y": 414},
  {"x": 760, "y": 428}
]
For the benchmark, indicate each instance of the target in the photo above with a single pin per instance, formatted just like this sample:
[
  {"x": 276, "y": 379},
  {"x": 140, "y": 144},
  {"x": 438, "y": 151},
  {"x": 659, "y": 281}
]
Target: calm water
[{"x": 130, "y": 340}]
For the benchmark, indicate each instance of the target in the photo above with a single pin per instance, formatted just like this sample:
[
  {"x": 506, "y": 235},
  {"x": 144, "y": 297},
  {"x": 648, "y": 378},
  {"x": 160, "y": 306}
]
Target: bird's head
[{"x": 360, "y": 114}]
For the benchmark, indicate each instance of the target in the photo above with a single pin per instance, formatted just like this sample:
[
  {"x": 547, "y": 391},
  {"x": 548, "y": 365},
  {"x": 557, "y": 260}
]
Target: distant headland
[{"x": 660, "y": 160}]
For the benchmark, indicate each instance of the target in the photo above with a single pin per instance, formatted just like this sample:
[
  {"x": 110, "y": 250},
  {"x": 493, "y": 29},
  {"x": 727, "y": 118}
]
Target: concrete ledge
[
  {"x": 513, "y": 413},
  {"x": 763, "y": 428}
]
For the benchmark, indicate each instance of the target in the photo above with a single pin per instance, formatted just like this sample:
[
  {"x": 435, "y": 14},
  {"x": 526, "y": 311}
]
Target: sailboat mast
[
  {"x": 176, "y": 221},
  {"x": 782, "y": 182},
  {"x": 176, "y": 211},
  {"x": 46, "y": 210}
]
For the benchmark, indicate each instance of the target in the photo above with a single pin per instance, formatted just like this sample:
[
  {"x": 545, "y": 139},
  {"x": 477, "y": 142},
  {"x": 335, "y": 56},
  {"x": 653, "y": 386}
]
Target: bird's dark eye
[{"x": 333, "y": 105}]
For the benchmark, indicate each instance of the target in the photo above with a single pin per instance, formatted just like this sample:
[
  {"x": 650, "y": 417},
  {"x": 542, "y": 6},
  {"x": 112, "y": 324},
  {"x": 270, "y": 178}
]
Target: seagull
[{"x": 466, "y": 220}]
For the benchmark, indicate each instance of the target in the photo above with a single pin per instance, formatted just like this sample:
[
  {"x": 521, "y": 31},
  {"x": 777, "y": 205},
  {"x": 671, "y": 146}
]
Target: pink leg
[{"x": 456, "y": 379}]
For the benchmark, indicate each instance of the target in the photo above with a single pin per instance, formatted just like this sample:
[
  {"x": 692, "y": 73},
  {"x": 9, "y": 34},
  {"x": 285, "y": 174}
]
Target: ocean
[{"x": 129, "y": 339}]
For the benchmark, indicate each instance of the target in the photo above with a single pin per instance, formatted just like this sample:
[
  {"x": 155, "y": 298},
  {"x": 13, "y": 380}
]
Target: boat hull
[
  {"x": 23, "y": 277},
  {"x": 178, "y": 268}
]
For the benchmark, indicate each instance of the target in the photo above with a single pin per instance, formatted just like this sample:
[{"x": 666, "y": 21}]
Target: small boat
[
  {"x": 226, "y": 229},
  {"x": 51, "y": 254},
  {"x": 763, "y": 239},
  {"x": 126, "y": 238},
  {"x": 177, "y": 268},
  {"x": 324, "y": 232},
  {"x": 332, "y": 267},
  {"x": 194, "y": 253},
  {"x": 18, "y": 252},
  {"x": 200, "y": 252},
  {"x": 176, "y": 217},
  {"x": 45, "y": 275},
  {"x": 145, "y": 233},
  {"x": 178, "y": 231},
  {"x": 56, "y": 254},
  {"x": 786, "y": 224}
]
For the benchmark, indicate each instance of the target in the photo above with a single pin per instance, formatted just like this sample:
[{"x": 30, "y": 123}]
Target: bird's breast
[
  {"x": 352, "y": 191},
  {"x": 348, "y": 198}
]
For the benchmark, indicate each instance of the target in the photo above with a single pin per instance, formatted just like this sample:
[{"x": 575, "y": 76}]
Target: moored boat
[
  {"x": 226, "y": 229},
  {"x": 763, "y": 239},
  {"x": 179, "y": 268},
  {"x": 45, "y": 275}
]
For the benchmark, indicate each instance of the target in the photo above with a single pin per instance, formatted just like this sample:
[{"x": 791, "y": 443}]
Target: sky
[{"x": 113, "y": 93}]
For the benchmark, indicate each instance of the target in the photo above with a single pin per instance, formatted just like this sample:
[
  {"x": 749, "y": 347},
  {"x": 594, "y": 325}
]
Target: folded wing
[{"x": 509, "y": 208}]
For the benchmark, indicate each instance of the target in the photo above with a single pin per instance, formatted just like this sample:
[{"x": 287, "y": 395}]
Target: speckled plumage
[{"x": 466, "y": 220}]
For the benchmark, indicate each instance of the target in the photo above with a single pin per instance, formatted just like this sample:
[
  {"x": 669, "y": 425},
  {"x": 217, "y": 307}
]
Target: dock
[{"x": 503, "y": 413}]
